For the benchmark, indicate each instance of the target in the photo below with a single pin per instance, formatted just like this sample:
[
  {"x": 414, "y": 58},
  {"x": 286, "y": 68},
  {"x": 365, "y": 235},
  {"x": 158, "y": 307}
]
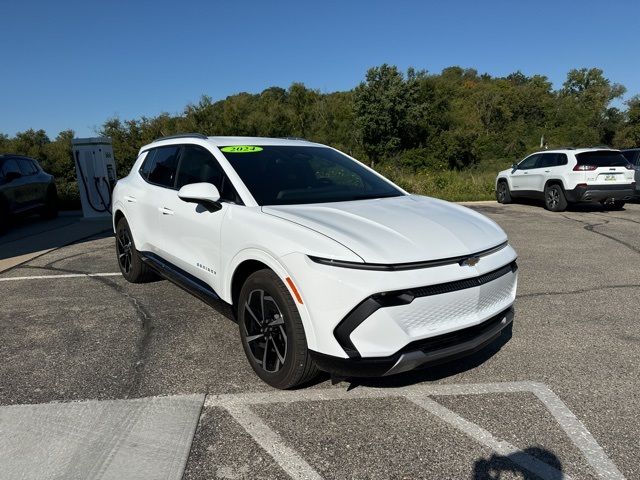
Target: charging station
[{"x": 96, "y": 172}]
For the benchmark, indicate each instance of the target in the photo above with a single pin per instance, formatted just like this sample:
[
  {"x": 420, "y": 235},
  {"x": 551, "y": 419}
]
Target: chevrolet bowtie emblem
[{"x": 470, "y": 262}]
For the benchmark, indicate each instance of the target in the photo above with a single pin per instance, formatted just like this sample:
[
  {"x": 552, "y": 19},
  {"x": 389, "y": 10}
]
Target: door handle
[
  {"x": 526, "y": 173},
  {"x": 130, "y": 199},
  {"x": 547, "y": 171},
  {"x": 165, "y": 211}
]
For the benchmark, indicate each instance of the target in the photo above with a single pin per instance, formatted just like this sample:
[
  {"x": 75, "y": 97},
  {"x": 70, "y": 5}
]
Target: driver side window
[
  {"x": 529, "y": 162},
  {"x": 199, "y": 165}
]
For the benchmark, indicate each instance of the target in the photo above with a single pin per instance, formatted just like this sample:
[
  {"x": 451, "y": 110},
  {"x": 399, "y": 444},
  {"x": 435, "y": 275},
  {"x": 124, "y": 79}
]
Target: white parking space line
[
  {"x": 66, "y": 275},
  {"x": 238, "y": 406},
  {"x": 576, "y": 430},
  {"x": 272, "y": 443},
  {"x": 485, "y": 438}
]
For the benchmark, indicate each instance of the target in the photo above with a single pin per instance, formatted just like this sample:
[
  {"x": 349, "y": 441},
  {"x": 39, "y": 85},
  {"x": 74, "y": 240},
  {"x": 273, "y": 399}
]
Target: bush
[{"x": 68, "y": 195}]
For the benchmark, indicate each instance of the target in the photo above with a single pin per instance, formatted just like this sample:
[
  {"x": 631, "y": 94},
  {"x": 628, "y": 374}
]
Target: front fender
[{"x": 282, "y": 272}]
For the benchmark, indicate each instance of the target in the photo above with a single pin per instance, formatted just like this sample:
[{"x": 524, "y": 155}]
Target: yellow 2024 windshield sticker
[{"x": 241, "y": 149}]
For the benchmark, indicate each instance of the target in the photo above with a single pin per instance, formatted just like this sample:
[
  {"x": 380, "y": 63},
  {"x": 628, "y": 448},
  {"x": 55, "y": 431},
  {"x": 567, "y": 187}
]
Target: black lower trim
[
  {"x": 184, "y": 280},
  {"x": 421, "y": 353},
  {"x": 596, "y": 193},
  {"x": 369, "y": 305},
  {"x": 534, "y": 194}
]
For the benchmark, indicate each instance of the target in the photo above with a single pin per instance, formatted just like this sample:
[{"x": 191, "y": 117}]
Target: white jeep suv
[
  {"x": 569, "y": 176},
  {"x": 324, "y": 263}
]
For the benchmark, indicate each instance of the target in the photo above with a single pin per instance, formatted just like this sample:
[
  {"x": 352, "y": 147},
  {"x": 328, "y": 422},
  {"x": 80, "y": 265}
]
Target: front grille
[{"x": 463, "y": 284}]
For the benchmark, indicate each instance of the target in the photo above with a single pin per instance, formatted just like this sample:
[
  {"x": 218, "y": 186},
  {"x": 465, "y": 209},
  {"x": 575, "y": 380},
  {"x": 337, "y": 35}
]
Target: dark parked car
[
  {"x": 25, "y": 188},
  {"x": 633, "y": 155}
]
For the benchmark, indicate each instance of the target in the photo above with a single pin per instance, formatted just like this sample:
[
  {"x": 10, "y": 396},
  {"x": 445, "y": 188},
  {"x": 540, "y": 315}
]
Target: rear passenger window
[
  {"x": 161, "y": 169},
  {"x": 547, "y": 160},
  {"x": 562, "y": 159}
]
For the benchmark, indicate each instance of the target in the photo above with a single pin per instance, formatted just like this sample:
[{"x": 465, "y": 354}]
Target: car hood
[{"x": 408, "y": 228}]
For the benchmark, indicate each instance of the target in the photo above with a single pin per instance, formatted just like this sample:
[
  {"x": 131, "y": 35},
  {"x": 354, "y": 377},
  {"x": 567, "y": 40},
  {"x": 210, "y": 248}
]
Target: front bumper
[
  {"x": 421, "y": 353},
  {"x": 351, "y": 313},
  {"x": 598, "y": 193}
]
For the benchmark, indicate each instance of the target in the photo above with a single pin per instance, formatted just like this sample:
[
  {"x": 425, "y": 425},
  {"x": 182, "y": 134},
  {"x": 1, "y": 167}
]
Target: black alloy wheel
[
  {"x": 271, "y": 332},
  {"x": 265, "y": 331},
  {"x": 123, "y": 247}
]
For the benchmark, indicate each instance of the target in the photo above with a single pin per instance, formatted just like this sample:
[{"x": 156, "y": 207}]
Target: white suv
[
  {"x": 568, "y": 176},
  {"x": 324, "y": 263}
]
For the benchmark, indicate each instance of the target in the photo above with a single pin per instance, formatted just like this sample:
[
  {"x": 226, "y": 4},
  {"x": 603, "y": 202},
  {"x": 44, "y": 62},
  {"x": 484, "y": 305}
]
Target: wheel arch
[
  {"x": 504, "y": 179},
  {"x": 118, "y": 213},
  {"x": 251, "y": 260},
  {"x": 554, "y": 181}
]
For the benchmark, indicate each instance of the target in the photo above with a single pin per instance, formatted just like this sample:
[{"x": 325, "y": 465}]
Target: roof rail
[
  {"x": 294, "y": 138},
  {"x": 182, "y": 135}
]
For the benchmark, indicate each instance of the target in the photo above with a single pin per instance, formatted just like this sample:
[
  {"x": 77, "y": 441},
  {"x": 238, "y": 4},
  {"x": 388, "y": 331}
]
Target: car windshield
[
  {"x": 288, "y": 175},
  {"x": 602, "y": 158}
]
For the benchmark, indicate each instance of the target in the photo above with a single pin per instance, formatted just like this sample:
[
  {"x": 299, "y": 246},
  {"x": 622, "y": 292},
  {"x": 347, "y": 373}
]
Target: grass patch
[{"x": 452, "y": 185}]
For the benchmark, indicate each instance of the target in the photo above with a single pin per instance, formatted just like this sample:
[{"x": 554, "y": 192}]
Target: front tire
[
  {"x": 554, "y": 198},
  {"x": 503, "y": 194},
  {"x": 272, "y": 333},
  {"x": 133, "y": 269}
]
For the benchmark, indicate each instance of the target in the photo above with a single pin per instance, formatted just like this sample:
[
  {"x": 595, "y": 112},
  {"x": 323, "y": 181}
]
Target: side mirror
[
  {"x": 514, "y": 167},
  {"x": 11, "y": 176},
  {"x": 205, "y": 194}
]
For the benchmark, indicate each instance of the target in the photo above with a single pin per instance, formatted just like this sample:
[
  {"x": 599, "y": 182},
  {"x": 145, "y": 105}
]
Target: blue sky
[{"x": 76, "y": 64}]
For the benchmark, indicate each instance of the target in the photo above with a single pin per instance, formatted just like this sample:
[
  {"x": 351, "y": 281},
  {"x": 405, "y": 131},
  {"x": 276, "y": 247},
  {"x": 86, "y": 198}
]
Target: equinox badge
[{"x": 470, "y": 262}]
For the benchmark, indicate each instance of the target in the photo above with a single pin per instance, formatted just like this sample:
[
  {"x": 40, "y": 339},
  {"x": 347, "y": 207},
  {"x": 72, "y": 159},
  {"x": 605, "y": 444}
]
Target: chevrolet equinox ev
[{"x": 324, "y": 263}]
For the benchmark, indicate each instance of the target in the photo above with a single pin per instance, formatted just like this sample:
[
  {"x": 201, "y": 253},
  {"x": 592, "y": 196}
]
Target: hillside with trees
[{"x": 444, "y": 134}]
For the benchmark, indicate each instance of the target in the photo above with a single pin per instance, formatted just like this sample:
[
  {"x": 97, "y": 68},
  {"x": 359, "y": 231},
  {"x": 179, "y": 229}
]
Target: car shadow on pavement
[
  {"x": 497, "y": 466},
  {"x": 572, "y": 207},
  {"x": 30, "y": 236}
]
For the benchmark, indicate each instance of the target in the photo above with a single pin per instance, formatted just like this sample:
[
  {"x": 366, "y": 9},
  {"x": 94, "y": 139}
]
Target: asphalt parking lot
[{"x": 560, "y": 399}]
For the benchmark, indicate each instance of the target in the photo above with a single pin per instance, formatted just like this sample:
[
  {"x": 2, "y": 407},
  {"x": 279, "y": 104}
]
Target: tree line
[{"x": 412, "y": 121}]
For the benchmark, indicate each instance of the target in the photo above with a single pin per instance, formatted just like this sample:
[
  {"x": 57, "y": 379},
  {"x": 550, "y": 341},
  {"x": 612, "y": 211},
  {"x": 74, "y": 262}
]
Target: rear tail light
[{"x": 582, "y": 168}]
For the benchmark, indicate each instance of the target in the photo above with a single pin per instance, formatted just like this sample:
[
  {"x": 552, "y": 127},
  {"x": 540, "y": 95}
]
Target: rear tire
[
  {"x": 272, "y": 333},
  {"x": 503, "y": 194},
  {"x": 50, "y": 209},
  {"x": 133, "y": 269},
  {"x": 616, "y": 205},
  {"x": 554, "y": 198}
]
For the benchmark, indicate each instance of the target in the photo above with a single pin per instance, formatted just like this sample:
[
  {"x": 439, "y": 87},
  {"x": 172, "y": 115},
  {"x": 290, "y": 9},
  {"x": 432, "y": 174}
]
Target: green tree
[
  {"x": 628, "y": 136},
  {"x": 381, "y": 104}
]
